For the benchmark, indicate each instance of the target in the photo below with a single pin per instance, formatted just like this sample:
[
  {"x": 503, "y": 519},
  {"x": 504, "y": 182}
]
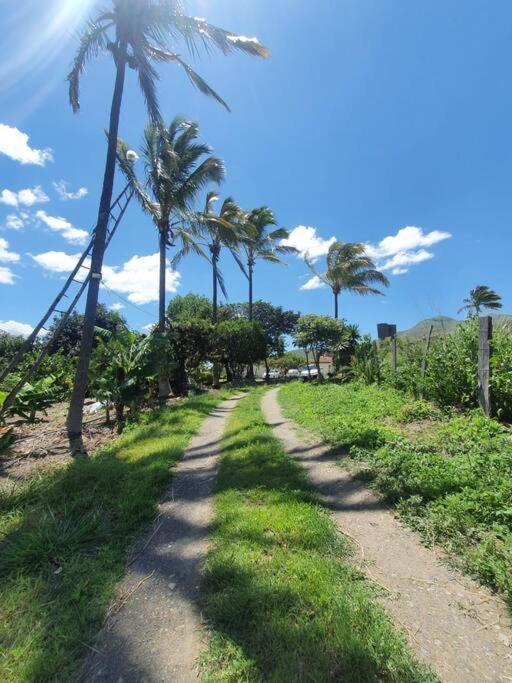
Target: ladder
[{"x": 117, "y": 211}]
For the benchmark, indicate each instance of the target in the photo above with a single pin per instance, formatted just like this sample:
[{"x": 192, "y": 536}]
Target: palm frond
[{"x": 93, "y": 39}]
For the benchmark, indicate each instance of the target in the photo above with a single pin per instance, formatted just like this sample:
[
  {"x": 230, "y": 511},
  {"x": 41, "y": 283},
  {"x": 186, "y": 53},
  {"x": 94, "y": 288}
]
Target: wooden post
[
  {"x": 376, "y": 360},
  {"x": 392, "y": 331},
  {"x": 424, "y": 359},
  {"x": 484, "y": 363}
]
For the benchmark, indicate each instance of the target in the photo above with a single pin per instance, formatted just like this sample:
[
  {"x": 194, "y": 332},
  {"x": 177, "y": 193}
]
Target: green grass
[
  {"x": 282, "y": 598},
  {"x": 449, "y": 476},
  {"x": 64, "y": 536}
]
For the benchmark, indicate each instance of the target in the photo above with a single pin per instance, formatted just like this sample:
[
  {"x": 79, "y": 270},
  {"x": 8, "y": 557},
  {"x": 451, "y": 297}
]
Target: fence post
[
  {"x": 424, "y": 359},
  {"x": 484, "y": 363}
]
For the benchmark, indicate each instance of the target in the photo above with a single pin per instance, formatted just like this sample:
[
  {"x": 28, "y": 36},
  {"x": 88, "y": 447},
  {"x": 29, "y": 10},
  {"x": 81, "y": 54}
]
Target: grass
[
  {"x": 282, "y": 598},
  {"x": 450, "y": 476},
  {"x": 64, "y": 535}
]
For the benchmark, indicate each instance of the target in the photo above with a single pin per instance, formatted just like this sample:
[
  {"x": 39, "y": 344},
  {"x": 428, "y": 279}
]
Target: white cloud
[
  {"x": 61, "y": 189},
  {"x": 313, "y": 283},
  {"x": 14, "y": 222},
  {"x": 6, "y": 276},
  {"x": 14, "y": 144},
  {"x": 116, "y": 307},
  {"x": 149, "y": 327},
  {"x": 406, "y": 248},
  {"x": 27, "y": 197},
  {"x": 64, "y": 227},
  {"x": 307, "y": 242},
  {"x": 138, "y": 279},
  {"x": 58, "y": 261},
  {"x": 7, "y": 256},
  {"x": 15, "y": 328}
]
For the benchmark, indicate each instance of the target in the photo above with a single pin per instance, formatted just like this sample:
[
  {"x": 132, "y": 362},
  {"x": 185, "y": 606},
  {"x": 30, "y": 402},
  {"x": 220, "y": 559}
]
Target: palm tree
[
  {"x": 349, "y": 269},
  {"x": 137, "y": 33},
  {"x": 177, "y": 168},
  {"x": 264, "y": 244},
  {"x": 222, "y": 230},
  {"x": 481, "y": 297}
]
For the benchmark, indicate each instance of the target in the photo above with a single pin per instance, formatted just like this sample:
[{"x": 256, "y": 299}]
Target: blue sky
[{"x": 370, "y": 116}]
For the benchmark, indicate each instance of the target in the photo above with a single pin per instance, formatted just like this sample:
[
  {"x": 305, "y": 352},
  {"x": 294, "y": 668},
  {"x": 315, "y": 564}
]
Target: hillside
[{"x": 444, "y": 325}]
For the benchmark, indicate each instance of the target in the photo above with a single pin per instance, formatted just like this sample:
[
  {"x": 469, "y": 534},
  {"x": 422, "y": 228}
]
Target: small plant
[{"x": 419, "y": 410}]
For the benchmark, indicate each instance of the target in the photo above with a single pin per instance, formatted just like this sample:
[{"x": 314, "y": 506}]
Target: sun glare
[{"x": 48, "y": 29}]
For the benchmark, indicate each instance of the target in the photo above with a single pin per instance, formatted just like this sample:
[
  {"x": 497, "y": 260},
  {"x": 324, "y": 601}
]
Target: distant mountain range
[{"x": 444, "y": 325}]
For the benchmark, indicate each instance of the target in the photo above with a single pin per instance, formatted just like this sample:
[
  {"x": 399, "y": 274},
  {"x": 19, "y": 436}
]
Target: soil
[
  {"x": 154, "y": 632},
  {"x": 44, "y": 443},
  {"x": 457, "y": 626}
]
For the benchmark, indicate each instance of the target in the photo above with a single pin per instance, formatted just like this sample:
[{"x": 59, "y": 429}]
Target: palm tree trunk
[
  {"x": 215, "y": 287},
  {"x": 336, "y": 305},
  {"x": 250, "y": 370},
  {"x": 164, "y": 388},
  {"x": 250, "y": 265},
  {"x": 161, "y": 285},
  {"x": 76, "y": 406},
  {"x": 216, "y": 367}
]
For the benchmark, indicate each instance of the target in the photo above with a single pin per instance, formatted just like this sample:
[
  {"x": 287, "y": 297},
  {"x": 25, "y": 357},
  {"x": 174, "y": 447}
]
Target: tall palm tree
[
  {"x": 223, "y": 230},
  {"x": 264, "y": 243},
  {"x": 481, "y": 297},
  {"x": 137, "y": 33},
  {"x": 349, "y": 269},
  {"x": 177, "y": 167}
]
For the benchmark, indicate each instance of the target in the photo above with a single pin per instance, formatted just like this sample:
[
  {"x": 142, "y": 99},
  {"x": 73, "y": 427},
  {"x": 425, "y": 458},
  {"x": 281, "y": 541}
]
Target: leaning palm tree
[
  {"x": 349, "y": 269},
  {"x": 137, "y": 33},
  {"x": 481, "y": 297},
  {"x": 264, "y": 244},
  {"x": 223, "y": 230},
  {"x": 177, "y": 168}
]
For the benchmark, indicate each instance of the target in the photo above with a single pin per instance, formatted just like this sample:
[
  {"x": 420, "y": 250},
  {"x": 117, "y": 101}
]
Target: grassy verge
[
  {"x": 449, "y": 476},
  {"x": 64, "y": 536},
  {"x": 282, "y": 599}
]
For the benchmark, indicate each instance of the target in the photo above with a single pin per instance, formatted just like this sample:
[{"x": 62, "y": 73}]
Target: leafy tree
[
  {"x": 481, "y": 297},
  {"x": 135, "y": 33},
  {"x": 177, "y": 167},
  {"x": 189, "y": 307},
  {"x": 317, "y": 334},
  {"x": 349, "y": 269},
  {"x": 275, "y": 321},
  {"x": 9, "y": 346},
  {"x": 237, "y": 344},
  {"x": 265, "y": 244},
  {"x": 70, "y": 337},
  {"x": 190, "y": 343},
  {"x": 288, "y": 361}
]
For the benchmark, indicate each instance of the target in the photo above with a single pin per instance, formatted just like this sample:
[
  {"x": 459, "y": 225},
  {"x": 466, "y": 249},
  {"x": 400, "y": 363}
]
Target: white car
[
  {"x": 309, "y": 373},
  {"x": 274, "y": 374},
  {"x": 293, "y": 373}
]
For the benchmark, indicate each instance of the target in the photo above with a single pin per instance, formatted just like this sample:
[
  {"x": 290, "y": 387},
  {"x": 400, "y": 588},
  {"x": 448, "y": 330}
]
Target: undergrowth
[
  {"x": 451, "y": 479},
  {"x": 64, "y": 535},
  {"x": 282, "y": 599}
]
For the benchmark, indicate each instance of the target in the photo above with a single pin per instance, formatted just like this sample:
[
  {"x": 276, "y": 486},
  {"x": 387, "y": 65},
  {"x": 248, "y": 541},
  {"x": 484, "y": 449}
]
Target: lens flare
[{"x": 37, "y": 43}]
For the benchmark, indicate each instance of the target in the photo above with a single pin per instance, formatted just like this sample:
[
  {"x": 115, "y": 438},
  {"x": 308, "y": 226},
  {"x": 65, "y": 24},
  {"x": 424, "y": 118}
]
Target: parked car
[
  {"x": 310, "y": 372},
  {"x": 274, "y": 374},
  {"x": 293, "y": 373}
]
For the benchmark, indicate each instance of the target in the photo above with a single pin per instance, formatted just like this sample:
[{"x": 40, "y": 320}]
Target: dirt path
[
  {"x": 154, "y": 632},
  {"x": 460, "y": 628}
]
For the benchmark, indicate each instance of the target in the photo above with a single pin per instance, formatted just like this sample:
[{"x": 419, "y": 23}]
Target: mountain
[{"x": 445, "y": 325}]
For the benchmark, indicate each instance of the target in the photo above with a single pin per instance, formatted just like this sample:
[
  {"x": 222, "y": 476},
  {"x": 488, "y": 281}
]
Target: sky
[{"x": 385, "y": 122}]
